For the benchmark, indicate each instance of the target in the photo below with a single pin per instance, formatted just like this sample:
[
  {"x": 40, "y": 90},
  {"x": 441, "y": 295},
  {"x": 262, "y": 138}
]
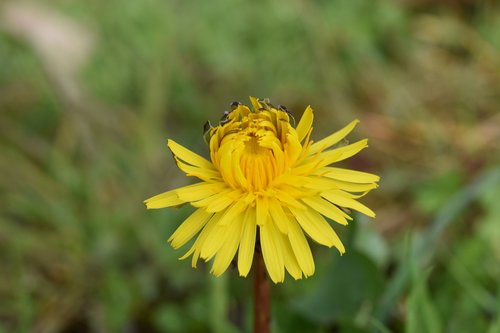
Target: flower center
[
  {"x": 249, "y": 149},
  {"x": 252, "y": 146},
  {"x": 257, "y": 165}
]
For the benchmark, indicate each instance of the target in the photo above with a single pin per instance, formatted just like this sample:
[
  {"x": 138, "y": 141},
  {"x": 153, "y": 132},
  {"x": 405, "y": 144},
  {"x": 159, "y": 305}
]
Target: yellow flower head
[{"x": 267, "y": 182}]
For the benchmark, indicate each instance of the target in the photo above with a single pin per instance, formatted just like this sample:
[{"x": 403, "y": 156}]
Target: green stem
[{"x": 219, "y": 303}]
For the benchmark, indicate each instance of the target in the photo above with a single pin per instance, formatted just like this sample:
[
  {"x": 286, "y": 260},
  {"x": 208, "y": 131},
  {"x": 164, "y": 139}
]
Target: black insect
[
  {"x": 225, "y": 116},
  {"x": 207, "y": 129},
  {"x": 285, "y": 109},
  {"x": 234, "y": 105}
]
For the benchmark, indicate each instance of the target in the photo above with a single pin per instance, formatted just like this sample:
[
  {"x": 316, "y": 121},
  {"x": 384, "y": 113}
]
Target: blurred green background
[{"x": 90, "y": 91}]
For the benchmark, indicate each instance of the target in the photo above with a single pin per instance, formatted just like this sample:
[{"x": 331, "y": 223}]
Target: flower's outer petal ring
[
  {"x": 229, "y": 246},
  {"x": 342, "y": 199},
  {"x": 194, "y": 223},
  {"x": 316, "y": 227},
  {"x": 332, "y": 138},
  {"x": 199, "y": 191},
  {"x": 327, "y": 209},
  {"x": 162, "y": 200},
  {"x": 291, "y": 264},
  {"x": 201, "y": 173},
  {"x": 342, "y": 153},
  {"x": 247, "y": 242},
  {"x": 347, "y": 175},
  {"x": 188, "y": 156},
  {"x": 300, "y": 247},
  {"x": 272, "y": 251}
]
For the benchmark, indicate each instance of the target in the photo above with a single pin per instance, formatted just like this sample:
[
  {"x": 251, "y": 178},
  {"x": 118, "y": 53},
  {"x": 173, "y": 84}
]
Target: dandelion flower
[{"x": 267, "y": 185}]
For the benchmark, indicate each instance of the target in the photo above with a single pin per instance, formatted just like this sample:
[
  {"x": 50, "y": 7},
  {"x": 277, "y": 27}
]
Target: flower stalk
[{"x": 262, "y": 316}]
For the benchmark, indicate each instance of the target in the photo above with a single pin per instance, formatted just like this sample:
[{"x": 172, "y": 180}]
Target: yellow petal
[
  {"x": 347, "y": 175},
  {"x": 195, "y": 250},
  {"x": 229, "y": 246},
  {"x": 293, "y": 149},
  {"x": 165, "y": 199},
  {"x": 189, "y": 228},
  {"x": 239, "y": 177},
  {"x": 305, "y": 123},
  {"x": 332, "y": 139},
  {"x": 342, "y": 153},
  {"x": 247, "y": 242},
  {"x": 228, "y": 154},
  {"x": 327, "y": 209},
  {"x": 279, "y": 157},
  {"x": 315, "y": 226},
  {"x": 272, "y": 251},
  {"x": 188, "y": 156},
  {"x": 287, "y": 196},
  {"x": 216, "y": 202},
  {"x": 340, "y": 198},
  {"x": 199, "y": 191},
  {"x": 278, "y": 215},
  {"x": 352, "y": 187},
  {"x": 234, "y": 210},
  {"x": 202, "y": 173},
  {"x": 291, "y": 264},
  {"x": 324, "y": 184},
  {"x": 262, "y": 207},
  {"x": 213, "y": 241},
  {"x": 322, "y": 226},
  {"x": 255, "y": 103},
  {"x": 308, "y": 165},
  {"x": 300, "y": 248}
]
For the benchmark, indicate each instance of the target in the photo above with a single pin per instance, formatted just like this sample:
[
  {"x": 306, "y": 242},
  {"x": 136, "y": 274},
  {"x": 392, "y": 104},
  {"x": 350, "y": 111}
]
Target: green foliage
[
  {"x": 349, "y": 284},
  {"x": 422, "y": 313},
  {"x": 83, "y": 143},
  {"x": 435, "y": 192}
]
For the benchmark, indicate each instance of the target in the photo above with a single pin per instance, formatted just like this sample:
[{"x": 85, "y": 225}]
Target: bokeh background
[{"x": 90, "y": 91}]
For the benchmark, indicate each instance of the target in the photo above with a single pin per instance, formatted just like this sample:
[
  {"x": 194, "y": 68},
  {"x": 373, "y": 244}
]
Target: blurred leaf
[
  {"x": 350, "y": 282},
  {"x": 219, "y": 308},
  {"x": 117, "y": 300},
  {"x": 489, "y": 227},
  {"x": 285, "y": 320},
  {"x": 421, "y": 312},
  {"x": 369, "y": 241},
  {"x": 170, "y": 318},
  {"x": 426, "y": 247},
  {"x": 351, "y": 328},
  {"x": 434, "y": 193}
]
